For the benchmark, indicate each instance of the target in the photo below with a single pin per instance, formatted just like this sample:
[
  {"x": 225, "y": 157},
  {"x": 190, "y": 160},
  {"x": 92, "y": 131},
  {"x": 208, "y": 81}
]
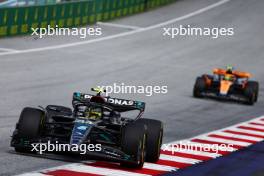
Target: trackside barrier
[{"x": 20, "y": 20}]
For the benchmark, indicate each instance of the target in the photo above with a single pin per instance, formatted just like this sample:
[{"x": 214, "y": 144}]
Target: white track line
[
  {"x": 34, "y": 174},
  {"x": 227, "y": 141},
  {"x": 238, "y": 136},
  {"x": 119, "y": 25},
  {"x": 8, "y": 50},
  {"x": 179, "y": 159},
  {"x": 247, "y": 131},
  {"x": 200, "y": 11},
  {"x": 254, "y": 126},
  {"x": 98, "y": 170},
  {"x": 257, "y": 124},
  {"x": 154, "y": 166},
  {"x": 259, "y": 121}
]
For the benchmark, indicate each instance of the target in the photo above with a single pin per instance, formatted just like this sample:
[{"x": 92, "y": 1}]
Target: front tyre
[
  {"x": 29, "y": 125},
  {"x": 133, "y": 143},
  {"x": 154, "y": 138}
]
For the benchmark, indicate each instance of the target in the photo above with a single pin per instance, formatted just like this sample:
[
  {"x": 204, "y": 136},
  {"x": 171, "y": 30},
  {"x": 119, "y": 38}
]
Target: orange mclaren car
[{"x": 227, "y": 84}]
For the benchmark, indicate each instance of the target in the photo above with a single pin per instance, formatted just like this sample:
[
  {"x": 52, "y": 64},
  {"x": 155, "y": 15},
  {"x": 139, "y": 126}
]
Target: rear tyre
[
  {"x": 199, "y": 87},
  {"x": 255, "y": 86},
  {"x": 251, "y": 92},
  {"x": 29, "y": 126},
  {"x": 154, "y": 138},
  {"x": 133, "y": 143}
]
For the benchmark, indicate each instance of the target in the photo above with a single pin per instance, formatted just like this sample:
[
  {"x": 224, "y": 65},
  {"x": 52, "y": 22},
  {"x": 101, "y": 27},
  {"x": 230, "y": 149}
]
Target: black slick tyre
[{"x": 154, "y": 138}]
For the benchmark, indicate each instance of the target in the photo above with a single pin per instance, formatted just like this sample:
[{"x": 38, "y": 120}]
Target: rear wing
[
  {"x": 239, "y": 74},
  {"x": 116, "y": 104},
  {"x": 242, "y": 74}
]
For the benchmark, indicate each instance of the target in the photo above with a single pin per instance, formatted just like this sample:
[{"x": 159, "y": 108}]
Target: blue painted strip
[{"x": 246, "y": 162}]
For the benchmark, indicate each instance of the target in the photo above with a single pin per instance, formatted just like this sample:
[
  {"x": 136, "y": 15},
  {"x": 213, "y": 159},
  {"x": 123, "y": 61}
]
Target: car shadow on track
[{"x": 212, "y": 99}]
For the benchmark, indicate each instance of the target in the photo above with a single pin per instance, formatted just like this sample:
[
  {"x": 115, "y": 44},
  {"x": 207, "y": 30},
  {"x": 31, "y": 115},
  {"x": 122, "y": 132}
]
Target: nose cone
[
  {"x": 224, "y": 87},
  {"x": 79, "y": 132}
]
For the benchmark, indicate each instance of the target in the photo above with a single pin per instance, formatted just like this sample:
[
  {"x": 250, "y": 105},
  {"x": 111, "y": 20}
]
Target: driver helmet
[
  {"x": 228, "y": 77},
  {"x": 229, "y": 69},
  {"x": 94, "y": 113}
]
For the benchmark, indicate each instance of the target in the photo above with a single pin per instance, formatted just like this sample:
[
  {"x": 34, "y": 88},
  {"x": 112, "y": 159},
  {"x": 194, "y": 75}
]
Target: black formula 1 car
[
  {"x": 227, "y": 84},
  {"x": 95, "y": 119}
]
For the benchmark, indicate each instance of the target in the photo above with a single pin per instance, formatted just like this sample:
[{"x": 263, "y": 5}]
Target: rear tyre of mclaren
[
  {"x": 255, "y": 86},
  {"x": 251, "y": 92},
  {"x": 199, "y": 87}
]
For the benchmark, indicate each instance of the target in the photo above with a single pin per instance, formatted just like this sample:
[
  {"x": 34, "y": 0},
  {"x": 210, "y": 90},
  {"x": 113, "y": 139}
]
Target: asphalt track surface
[{"x": 49, "y": 76}]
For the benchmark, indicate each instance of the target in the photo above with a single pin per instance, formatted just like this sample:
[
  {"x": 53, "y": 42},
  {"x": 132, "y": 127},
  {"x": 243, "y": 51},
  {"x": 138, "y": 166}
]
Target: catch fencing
[{"x": 20, "y": 20}]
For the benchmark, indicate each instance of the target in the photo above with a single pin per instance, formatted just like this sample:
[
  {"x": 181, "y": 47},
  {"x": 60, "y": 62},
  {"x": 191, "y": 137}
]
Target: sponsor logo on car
[
  {"x": 114, "y": 100},
  {"x": 82, "y": 127}
]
